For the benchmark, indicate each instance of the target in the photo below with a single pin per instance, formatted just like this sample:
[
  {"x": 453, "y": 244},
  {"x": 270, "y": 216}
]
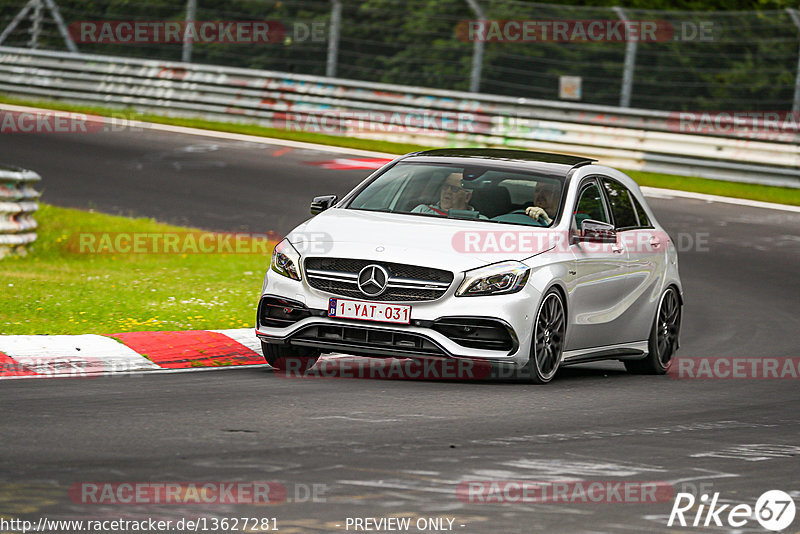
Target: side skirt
[{"x": 624, "y": 351}]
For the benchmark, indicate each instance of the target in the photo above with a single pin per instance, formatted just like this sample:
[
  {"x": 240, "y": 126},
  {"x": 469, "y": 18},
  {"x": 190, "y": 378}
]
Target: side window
[
  {"x": 644, "y": 222},
  {"x": 621, "y": 204},
  {"x": 590, "y": 205}
]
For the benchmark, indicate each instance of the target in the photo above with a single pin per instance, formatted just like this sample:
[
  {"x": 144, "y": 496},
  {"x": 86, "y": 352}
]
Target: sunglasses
[{"x": 453, "y": 188}]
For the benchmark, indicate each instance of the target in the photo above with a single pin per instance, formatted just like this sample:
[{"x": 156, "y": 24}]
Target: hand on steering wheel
[{"x": 535, "y": 212}]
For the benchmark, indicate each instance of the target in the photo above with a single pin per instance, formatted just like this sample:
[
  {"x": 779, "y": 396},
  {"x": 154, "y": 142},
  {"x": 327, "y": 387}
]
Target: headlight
[
  {"x": 286, "y": 260},
  {"x": 498, "y": 279}
]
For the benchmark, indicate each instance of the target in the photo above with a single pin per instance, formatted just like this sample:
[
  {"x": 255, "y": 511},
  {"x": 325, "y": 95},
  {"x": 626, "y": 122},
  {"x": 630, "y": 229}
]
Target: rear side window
[
  {"x": 644, "y": 222},
  {"x": 621, "y": 204}
]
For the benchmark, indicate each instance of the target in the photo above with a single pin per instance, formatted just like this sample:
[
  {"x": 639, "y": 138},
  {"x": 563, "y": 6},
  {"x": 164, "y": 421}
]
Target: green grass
[
  {"x": 55, "y": 290},
  {"x": 765, "y": 193}
]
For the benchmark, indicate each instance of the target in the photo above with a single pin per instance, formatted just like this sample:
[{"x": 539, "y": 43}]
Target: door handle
[
  {"x": 616, "y": 249},
  {"x": 655, "y": 242}
]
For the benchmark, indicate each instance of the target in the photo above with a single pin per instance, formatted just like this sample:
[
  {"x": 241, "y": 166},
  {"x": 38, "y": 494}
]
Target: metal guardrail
[
  {"x": 17, "y": 205},
  {"x": 628, "y": 138}
]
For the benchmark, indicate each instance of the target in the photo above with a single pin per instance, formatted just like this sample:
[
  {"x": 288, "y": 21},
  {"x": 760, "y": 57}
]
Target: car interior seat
[{"x": 491, "y": 201}]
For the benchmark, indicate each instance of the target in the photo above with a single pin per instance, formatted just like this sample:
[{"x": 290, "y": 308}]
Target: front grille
[
  {"x": 366, "y": 341},
  {"x": 476, "y": 333},
  {"x": 406, "y": 282}
]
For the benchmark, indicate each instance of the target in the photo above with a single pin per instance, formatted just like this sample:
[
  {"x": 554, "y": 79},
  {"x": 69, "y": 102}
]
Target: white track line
[
  {"x": 649, "y": 191},
  {"x": 671, "y": 193},
  {"x": 209, "y": 133}
]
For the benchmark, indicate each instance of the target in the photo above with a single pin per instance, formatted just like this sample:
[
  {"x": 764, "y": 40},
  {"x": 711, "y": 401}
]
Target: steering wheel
[
  {"x": 525, "y": 219},
  {"x": 526, "y": 214}
]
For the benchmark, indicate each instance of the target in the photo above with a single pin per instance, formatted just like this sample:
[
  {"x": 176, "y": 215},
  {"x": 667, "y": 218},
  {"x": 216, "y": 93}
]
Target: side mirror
[
  {"x": 596, "y": 232},
  {"x": 320, "y": 204}
]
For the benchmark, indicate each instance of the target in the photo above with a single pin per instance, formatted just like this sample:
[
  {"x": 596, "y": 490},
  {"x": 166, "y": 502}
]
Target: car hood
[{"x": 421, "y": 240}]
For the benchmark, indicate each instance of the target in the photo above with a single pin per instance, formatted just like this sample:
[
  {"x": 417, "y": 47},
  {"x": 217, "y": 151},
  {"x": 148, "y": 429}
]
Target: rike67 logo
[{"x": 774, "y": 510}]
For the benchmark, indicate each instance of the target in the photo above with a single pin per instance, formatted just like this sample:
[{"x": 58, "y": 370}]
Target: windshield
[{"x": 478, "y": 193}]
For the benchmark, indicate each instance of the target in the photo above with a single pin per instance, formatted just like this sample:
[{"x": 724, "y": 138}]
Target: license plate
[{"x": 369, "y": 311}]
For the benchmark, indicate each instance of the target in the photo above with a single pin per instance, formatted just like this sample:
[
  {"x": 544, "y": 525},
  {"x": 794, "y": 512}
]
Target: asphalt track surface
[{"x": 399, "y": 448}]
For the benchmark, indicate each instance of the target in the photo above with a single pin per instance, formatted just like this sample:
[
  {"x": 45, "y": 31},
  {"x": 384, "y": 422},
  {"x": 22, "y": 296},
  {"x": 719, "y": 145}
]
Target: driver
[
  {"x": 452, "y": 196},
  {"x": 545, "y": 202}
]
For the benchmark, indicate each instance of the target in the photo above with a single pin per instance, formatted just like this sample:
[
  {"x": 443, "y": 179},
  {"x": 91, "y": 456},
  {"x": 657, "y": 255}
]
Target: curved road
[{"x": 396, "y": 448}]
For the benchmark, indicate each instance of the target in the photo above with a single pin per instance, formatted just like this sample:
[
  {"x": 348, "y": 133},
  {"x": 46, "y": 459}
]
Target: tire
[
  {"x": 664, "y": 333},
  {"x": 288, "y": 358},
  {"x": 547, "y": 345}
]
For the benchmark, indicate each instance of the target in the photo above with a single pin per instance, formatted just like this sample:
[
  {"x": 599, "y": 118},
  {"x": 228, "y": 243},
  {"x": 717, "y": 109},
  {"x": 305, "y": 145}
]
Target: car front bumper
[{"x": 434, "y": 325}]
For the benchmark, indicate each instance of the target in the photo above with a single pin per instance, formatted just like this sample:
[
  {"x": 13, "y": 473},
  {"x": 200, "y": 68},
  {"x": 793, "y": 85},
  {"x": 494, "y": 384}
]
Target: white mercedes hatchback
[{"x": 522, "y": 260}]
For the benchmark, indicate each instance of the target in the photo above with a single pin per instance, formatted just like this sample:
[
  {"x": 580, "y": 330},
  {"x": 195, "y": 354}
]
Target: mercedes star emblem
[{"x": 372, "y": 280}]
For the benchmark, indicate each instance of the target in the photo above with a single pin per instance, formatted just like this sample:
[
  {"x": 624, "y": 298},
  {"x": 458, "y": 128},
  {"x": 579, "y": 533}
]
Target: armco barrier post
[
  {"x": 793, "y": 13},
  {"x": 477, "y": 50},
  {"x": 333, "y": 38},
  {"x": 630, "y": 62},
  {"x": 17, "y": 205},
  {"x": 36, "y": 27},
  {"x": 191, "y": 9}
]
